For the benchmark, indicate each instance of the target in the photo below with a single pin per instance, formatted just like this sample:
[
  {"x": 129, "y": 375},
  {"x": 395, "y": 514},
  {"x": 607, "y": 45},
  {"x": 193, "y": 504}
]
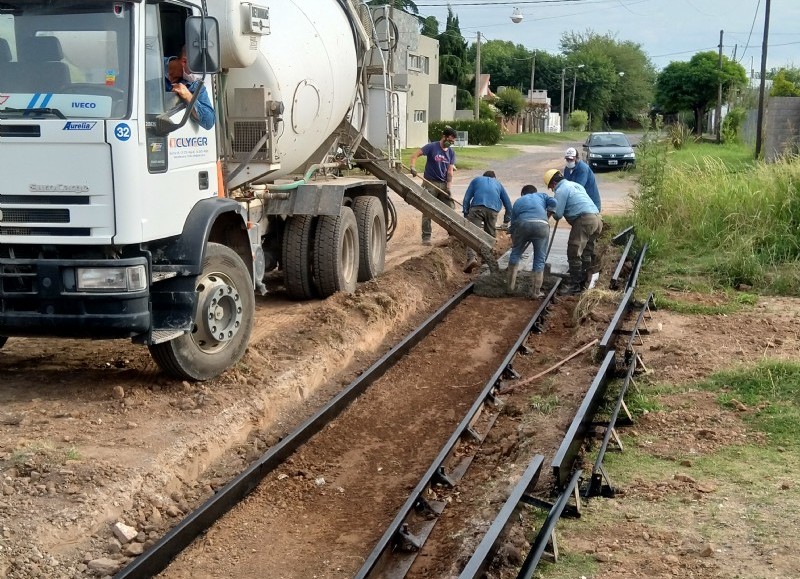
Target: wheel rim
[
  {"x": 348, "y": 254},
  {"x": 377, "y": 237},
  {"x": 219, "y": 313}
]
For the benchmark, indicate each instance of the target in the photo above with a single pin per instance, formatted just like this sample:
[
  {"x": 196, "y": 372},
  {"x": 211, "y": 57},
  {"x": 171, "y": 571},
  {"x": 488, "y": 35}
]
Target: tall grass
[{"x": 737, "y": 221}]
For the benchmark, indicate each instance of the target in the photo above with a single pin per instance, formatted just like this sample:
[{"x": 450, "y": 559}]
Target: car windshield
[
  {"x": 64, "y": 59},
  {"x": 609, "y": 141}
]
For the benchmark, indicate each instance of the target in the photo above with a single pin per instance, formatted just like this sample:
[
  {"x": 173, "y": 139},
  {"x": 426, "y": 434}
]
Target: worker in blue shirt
[
  {"x": 574, "y": 205},
  {"x": 530, "y": 225},
  {"x": 438, "y": 175},
  {"x": 482, "y": 202},
  {"x": 180, "y": 81},
  {"x": 580, "y": 172}
]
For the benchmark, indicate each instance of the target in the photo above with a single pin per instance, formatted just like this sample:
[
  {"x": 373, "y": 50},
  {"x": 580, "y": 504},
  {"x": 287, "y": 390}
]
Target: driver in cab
[{"x": 180, "y": 81}]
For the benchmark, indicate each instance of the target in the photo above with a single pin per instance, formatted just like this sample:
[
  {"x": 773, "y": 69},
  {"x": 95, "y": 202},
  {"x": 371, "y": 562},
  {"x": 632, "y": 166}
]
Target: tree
[
  {"x": 692, "y": 86},
  {"x": 506, "y": 63},
  {"x": 453, "y": 65},
  {"x": 622, "y": 96},
  {"x": 430, "y": 27},
  {"x": 782, "y": 86},
  {"x": 510, "y": 102}
]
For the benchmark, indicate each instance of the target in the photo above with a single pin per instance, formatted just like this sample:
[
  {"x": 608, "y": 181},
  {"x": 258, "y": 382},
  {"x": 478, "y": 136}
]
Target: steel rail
[
  {"x": 548, "y": 528},
  {"x": 622, "y": 235},
  {"x": 397, "y": 533},
  {"x": 614, "y": 284},
  {"x": 564, "y": 458},
  {"x": 158, "y": 557},
  {"x": 607, "y": 342},
  {"x": 599, "y": 474},
  {"x": 633, "y": 278},
  {"x": 636, "y": 332},
  {"x": 476, "y": 566}
]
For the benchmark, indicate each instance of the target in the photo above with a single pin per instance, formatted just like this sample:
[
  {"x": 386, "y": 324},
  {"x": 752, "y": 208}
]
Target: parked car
[{"x": 609, "y": 150}]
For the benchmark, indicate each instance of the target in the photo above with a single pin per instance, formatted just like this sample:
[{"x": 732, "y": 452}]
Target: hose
[{"x": 391, "y": 222}]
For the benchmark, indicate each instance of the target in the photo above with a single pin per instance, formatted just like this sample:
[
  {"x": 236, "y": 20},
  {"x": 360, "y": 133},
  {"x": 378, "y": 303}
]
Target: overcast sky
[{"x": 667, "y": 30}]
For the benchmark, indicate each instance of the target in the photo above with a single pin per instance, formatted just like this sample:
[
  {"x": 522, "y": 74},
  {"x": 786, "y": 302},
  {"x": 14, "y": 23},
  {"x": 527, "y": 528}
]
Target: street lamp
[{"x": 561, "y": 112}]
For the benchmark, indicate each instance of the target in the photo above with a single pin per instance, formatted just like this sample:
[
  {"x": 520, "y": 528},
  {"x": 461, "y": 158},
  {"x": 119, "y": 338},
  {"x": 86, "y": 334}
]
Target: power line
[{"x": 751, "y": 30}]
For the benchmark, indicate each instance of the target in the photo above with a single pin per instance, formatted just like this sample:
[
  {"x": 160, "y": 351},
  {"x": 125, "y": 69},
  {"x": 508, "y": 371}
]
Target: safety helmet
[{"x": 548, "y": 176}]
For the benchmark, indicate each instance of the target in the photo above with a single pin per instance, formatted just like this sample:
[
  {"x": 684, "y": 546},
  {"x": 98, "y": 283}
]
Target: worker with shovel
[
  {"x": 530, "y": 225},
  {"x": 575, "y": 205},
  {"x": 484, "y": 198},
  {"x": 438, "y": 173}
]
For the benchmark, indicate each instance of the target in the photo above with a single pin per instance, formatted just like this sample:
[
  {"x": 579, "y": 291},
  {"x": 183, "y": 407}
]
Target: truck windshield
[{"x": 71, "y": 58}]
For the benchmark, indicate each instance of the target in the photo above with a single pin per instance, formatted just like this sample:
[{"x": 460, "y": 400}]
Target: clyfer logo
[{"x": 4, "y": 98}]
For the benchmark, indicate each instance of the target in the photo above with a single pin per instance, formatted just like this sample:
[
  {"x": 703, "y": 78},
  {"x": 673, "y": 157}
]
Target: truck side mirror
[{"x": 202, "y": 57}]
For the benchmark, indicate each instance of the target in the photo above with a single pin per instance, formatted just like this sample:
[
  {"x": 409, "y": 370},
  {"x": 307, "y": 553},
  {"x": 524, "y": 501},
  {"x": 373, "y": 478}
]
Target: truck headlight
[{"x": 130, "y": 279}]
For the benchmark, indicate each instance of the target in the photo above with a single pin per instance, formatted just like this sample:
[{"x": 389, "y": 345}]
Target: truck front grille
[{"x": 34, "y": 216}]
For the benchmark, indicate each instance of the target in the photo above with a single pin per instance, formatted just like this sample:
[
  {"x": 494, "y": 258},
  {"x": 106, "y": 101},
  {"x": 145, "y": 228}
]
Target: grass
[
  {"x": 544, "y": 138},
  {"x": 469, "y": 157},
  {"x": 714, "y": 219},
  {"x": 754, "y": 498}
]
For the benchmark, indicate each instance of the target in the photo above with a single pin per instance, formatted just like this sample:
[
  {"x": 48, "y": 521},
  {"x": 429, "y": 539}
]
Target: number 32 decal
[{"x": 122, "y": 132}]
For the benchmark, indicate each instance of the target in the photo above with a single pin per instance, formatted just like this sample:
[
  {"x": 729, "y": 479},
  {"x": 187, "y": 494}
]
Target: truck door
[{"x": 181, "y": 166}]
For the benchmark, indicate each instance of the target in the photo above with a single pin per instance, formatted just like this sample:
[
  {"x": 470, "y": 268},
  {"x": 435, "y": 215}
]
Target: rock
[
  {"x": 118, "y": 392},
  {"x": 104, "y": 565},
  {"x": 706, "y": 487},
  {"x": 134, "y": 549},
  {"x": 603, "y": 557},
  {"x": 684, "y": 478},
  {"x": 708, "y": 551},
  {"x": 123, "y": 532}
]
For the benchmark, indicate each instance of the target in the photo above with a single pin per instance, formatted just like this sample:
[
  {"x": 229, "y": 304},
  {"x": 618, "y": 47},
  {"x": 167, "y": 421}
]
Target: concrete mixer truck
[{"x": 122, "y": 217}]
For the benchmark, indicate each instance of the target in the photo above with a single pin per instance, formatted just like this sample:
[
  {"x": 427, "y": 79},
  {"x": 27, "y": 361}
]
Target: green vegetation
[
  {"x": 716, "y": 220},
  {"x": 469, "y": 157},
  {"x": 771, "y": 388},
  {"x": 544, "y": 138}
]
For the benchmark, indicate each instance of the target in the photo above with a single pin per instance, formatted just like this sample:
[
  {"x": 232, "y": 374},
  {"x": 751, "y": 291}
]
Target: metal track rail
[
  {"x": 633, "y": 278},
  {"x": 614, "y": 284},
  {"x": 158, "y": 557},
  {"x": 546, "y": 535},
  {"x": 477, "y": 564},
  {"x": 396, "y": 550},
  {"x": 573, "y": 440}
]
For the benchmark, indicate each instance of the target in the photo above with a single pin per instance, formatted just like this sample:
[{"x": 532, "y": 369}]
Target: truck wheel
[
  {"x": 222, "y": 325},
  {"x": 336, "y": 253},
  {"x": 371, "y": 236},
  {"x": 297, "y": 251}
]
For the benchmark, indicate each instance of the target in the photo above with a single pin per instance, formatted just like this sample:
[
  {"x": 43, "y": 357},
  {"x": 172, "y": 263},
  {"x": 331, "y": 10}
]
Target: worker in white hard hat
[
  {"x": 579, "y": 171},
  {"x": 574, "y": 205}
]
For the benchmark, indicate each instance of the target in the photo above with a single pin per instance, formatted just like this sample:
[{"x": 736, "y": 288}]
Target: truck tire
[
  {"x": 336, "y": 253},
  {"x": 296, "y": 255},
  {"x": 223, "y": 322},
  {"x": 371, "y": 236}
]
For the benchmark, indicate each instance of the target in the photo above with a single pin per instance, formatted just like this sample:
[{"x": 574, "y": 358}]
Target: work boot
[
  {"x": 426, "y": 241},
  {"x": 573, "y": 285},
  {"x": 471, "y": 265},
  {"x": 536, "y": 282},
  {"x": 512, "y": 276}
]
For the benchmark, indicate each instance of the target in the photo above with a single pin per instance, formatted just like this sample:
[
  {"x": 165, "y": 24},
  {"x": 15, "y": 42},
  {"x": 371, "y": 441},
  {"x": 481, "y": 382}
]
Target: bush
[
  {"x": 679, "y": 134},
  {"x": 510, "y": 102},
  {"x": 578, "y": 120},
  {"x": 482, "y": 132},
  {"x": 731, "y": 125}
]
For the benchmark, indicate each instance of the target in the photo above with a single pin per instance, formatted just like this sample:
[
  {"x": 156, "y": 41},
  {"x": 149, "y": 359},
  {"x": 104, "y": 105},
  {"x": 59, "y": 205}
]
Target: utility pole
[
  {"x": 561, "y": 111},
  {"x": 574, "y": 84},
  {"x": 718, "y": 112},
  {"x": 477, "y": 109},
  {"x": 760, "y": 121}
]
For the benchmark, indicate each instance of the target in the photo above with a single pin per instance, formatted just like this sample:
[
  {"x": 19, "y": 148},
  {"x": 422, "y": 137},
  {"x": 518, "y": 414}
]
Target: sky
[{"x": 666, "y": 30}]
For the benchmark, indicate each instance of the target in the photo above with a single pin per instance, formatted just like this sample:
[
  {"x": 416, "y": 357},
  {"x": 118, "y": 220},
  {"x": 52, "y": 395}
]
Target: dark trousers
[{"x": 433, "y": 188}]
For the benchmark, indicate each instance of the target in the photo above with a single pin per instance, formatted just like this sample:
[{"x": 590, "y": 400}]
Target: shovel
[{"x": 552, "y": 237}]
